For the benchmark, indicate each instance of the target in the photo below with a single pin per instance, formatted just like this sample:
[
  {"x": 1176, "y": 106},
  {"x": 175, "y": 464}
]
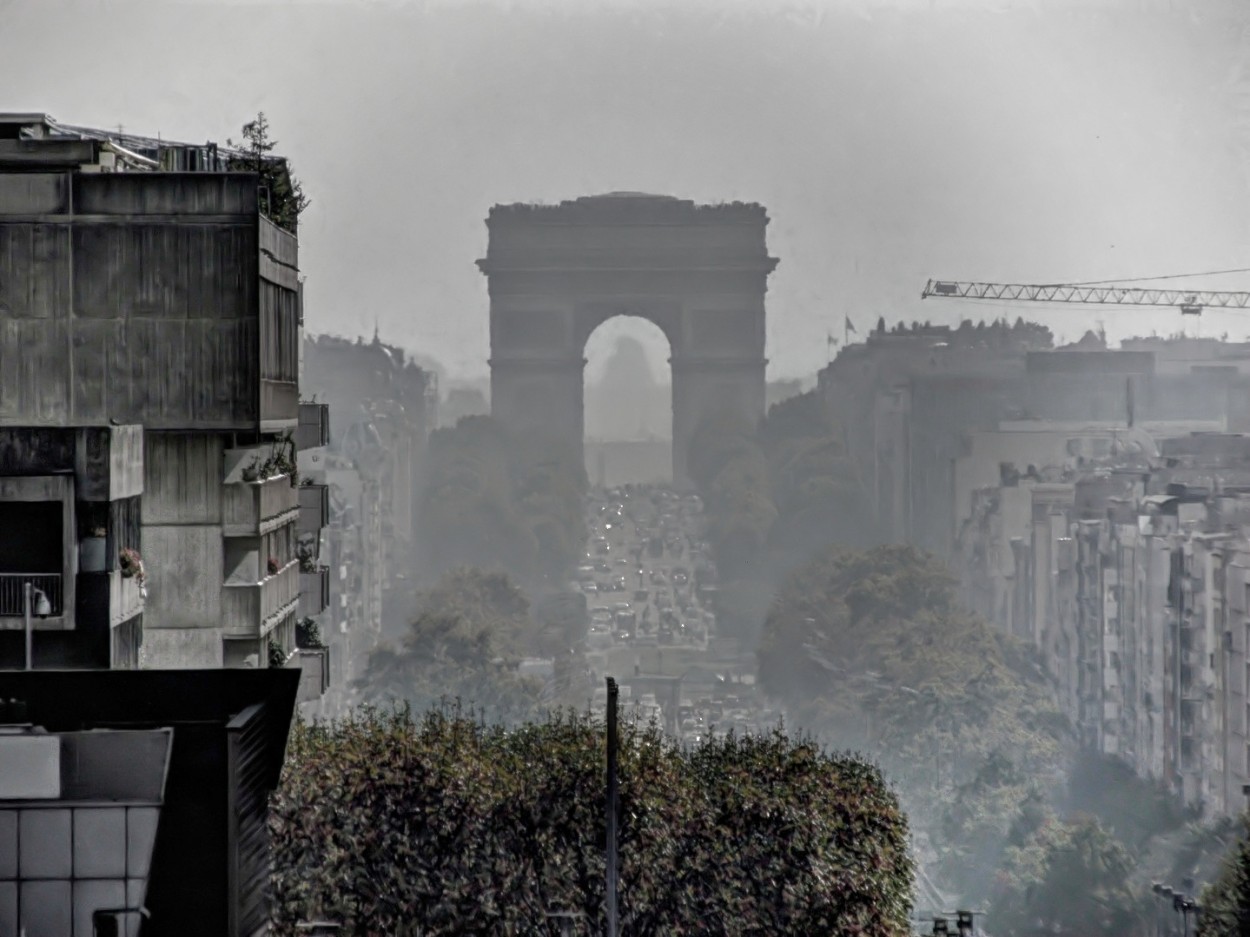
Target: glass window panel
[
  {"x": 46, "y": 906},
  {"x": 44, "y": 844},
  {"x": 93, "y": 895},
  {"x": 8, "y": 845},
  {"x": 100, "y": 842},
  {"x": 140, "y": 840}
]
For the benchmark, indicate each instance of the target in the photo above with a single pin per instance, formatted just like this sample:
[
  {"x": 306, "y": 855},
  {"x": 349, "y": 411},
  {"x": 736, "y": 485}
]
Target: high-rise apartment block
[{"x": 150, "y": 316}]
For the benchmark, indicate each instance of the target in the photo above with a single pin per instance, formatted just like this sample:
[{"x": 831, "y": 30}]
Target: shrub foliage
[{"x": 441, "y": 825}]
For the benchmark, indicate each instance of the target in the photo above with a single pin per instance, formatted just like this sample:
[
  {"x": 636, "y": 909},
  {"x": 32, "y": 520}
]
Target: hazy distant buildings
[
  {"x": 1123, "y": 555},
  {"x": 150, "y": 317},
  {"x": 1095, "y": 503},
  {"x": 384, "y": 408},
  {"x": 910, "y": 400}
]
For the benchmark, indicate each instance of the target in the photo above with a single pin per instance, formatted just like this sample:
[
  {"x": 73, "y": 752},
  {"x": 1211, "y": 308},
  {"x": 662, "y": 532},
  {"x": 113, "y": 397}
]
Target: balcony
[
  {"x": 314, "y": 592},
  {"x": 314, "y": 426},
  {"x": 126, "y": 598},
  {"x": 13, "y": 593},
  {"x": 250, "y": 509},
  {"x": 315, "y": 678},
  {"x": 314, "y": 505},
  {"x": 252, "y": 610}
]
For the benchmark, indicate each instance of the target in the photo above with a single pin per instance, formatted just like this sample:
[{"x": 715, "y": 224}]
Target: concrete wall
[
  {"x": 181, "y": 648},
  {"x": 182, "y": 549},
  {"x": 131, "y": 297}
]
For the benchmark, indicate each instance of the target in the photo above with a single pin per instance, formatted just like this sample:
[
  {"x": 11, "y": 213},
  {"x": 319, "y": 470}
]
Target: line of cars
[{"x": 637, "y": 586}]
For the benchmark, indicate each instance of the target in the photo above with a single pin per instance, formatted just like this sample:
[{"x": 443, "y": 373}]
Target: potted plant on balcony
[
  {"x": 92, "y": 551},
  {"x": 273, "y": 566},
  {"x": 308, "y": 635},
  {"x": 131, "y": 564},
  {"x": 277, "y": 656}
]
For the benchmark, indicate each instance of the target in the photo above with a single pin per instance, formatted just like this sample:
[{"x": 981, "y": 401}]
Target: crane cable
[{"x": 1170, "y": 276}]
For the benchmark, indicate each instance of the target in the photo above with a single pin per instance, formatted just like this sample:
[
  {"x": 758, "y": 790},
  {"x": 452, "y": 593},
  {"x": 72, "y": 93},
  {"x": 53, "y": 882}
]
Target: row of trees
[
  {"x": 443, "y": 826},
  {"x": 774, "y": 495},
  {"x": 498, "y": 500},
  {"x": 872, "y": 650}
]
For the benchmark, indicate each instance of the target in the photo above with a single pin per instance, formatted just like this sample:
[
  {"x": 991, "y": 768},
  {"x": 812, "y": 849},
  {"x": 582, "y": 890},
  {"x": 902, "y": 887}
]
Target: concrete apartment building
[
  {"x": 150, "y": 319},
  {"x": 1130, "y": 573},
  {"x": 912, "y": 398}
]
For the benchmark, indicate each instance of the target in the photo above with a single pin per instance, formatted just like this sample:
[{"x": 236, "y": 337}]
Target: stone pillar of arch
[{"x": 555, "y": 273}]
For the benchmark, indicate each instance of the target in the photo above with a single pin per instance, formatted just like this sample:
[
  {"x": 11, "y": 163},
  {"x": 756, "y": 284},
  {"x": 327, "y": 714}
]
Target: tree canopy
[
  {"x": 465, "y": 641},
  {"x": 774, "y": 494},
  {"x": 444, "y": 826},
  {"x": 495, "y": 500},
  {"x": 1070, "y": 879},
  {"x": 871, "y": 649}
]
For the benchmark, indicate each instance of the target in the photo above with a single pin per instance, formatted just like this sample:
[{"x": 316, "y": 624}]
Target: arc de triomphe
[{"x": 556, "y": 272}]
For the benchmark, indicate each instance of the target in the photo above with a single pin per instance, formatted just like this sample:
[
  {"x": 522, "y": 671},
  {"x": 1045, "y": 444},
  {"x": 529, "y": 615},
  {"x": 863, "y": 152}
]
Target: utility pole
[{"x": 611, "y": 807}]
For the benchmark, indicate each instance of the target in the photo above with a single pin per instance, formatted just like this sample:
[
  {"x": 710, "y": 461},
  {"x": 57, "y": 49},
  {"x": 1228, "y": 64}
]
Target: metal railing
[{"x": 13, "y": 592}]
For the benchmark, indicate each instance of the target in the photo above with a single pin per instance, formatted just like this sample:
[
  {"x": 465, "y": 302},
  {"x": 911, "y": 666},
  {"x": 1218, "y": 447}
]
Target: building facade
[
  {"x": 149, "y": 340},
  {"x": 1130, "y": 574}
]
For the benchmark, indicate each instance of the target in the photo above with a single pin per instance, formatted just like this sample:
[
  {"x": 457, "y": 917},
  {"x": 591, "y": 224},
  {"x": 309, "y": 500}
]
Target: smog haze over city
[
  {"x": 625, "y": 467},
  {"x": 1110, "y": 142}
]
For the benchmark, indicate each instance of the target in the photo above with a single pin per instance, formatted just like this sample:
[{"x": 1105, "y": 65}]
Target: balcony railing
[
  {"x": 314, "y": 592},
  {"x": 314, "y": 503},
  {"x": 251, "y": 610},
  {"x": 13, "y": 593},
  {"x": 250, "y": 509}
]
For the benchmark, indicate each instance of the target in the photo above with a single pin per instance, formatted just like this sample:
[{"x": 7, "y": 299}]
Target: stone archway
[{"x": 557, "y": 272}]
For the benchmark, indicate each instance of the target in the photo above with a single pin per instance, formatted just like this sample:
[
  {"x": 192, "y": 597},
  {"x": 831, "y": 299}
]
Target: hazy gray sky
[{"x": 891, "y": 141}]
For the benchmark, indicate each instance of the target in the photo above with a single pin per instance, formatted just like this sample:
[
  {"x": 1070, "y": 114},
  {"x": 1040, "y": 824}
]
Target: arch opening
[{"x": 628, "y": 403}]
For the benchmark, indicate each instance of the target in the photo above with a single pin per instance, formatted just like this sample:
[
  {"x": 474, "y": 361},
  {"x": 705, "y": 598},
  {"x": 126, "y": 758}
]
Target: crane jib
[{"x": 1190, "y": 302}]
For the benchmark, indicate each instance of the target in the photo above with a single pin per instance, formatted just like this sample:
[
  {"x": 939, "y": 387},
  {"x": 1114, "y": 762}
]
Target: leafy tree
[
  {"x": 282, "y": 195},
  {"x": 464, "y": 643},
  {"x": 1069, "y": 879},
  {"x": 1226, "y": 901},
  {"x": 447, "y": 826},
  {"x": 494, "y": 500},
  {"x": 779, "y": 492},
  {"x": 871, "y": 649}
]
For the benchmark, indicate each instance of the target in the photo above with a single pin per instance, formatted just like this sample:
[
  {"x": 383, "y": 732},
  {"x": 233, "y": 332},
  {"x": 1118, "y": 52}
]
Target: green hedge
[{"x": 443, "y": 826}]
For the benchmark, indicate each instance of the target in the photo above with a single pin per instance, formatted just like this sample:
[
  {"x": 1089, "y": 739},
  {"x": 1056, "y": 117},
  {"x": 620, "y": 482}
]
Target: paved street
[{"x": 650, "y": 585}]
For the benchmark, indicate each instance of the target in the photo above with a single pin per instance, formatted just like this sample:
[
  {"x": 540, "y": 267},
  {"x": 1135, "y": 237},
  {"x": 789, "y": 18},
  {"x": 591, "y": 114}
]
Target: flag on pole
[{"x": 850, "y": 326}]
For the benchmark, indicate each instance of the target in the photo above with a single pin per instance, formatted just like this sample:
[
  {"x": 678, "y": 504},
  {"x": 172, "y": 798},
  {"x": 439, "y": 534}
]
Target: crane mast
[{"x": 1189, "y": 302}]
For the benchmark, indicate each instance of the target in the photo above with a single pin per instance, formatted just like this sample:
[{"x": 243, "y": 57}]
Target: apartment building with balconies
[
  {"x": 1130, "y": 573},
  {"x": 149, "y": 403}
]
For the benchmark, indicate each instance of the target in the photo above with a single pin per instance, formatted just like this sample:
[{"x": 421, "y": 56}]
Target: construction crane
[{"x": 1189, "y": 302}]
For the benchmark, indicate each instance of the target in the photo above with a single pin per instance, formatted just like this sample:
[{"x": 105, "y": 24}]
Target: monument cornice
[{"x": 489, "y": 267}]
